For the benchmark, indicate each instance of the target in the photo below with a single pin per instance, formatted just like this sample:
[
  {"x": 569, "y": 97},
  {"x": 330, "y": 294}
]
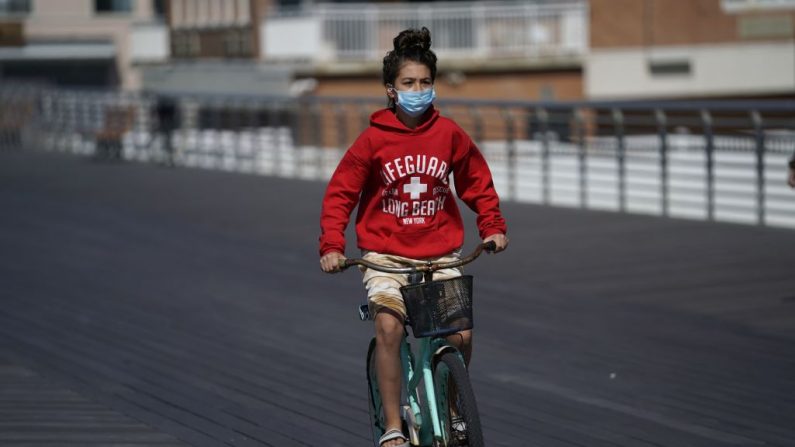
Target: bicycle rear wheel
[{"x": 451, "y": 383}]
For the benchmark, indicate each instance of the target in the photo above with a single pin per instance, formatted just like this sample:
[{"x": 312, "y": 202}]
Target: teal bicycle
[{"x": 442, "y": 412}]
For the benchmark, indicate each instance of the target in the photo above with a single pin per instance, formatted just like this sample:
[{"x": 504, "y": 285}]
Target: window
[
  {"x": 237, "y": 43},
  {"x": 670, "y": 68},
  {"x": 113, "y": 5},
  {"x": 11, "y": 34},
  {"x": 770, "y": 26},
  {"x": 159, "y": 7},
  {"x": 740, "y": 6},
  {"x": 185, "y": 44},
  {"x": 14, "y": 7}
]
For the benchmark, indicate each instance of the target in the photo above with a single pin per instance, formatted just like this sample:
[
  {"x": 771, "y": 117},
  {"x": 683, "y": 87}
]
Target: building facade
[
  {"x": 539, "y": 50},
  {"x": 81, "y": 42},
  {"x": 497, "y": 50}
]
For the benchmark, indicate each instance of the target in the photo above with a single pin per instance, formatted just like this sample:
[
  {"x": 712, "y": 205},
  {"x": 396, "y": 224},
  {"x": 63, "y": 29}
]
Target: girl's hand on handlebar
[
  {"x": 500, "y": 240},
  {"x": 330, "y": 262}
]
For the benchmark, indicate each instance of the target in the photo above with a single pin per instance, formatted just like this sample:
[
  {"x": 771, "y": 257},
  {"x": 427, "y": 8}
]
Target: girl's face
[{"x": 413, "y": 76}]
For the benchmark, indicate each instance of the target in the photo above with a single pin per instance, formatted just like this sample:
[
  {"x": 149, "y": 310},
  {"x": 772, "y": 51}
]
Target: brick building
[{"x": 691, "y": 49}]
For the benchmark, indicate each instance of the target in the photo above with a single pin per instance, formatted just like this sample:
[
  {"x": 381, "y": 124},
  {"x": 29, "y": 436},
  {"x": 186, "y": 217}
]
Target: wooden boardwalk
[
  {"x": 146, "y": 306},
  {"x": 35, "y": 411}
]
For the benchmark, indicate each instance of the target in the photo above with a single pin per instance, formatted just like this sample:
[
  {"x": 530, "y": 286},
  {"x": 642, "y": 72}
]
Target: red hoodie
[{"x": 399, "y": 178}]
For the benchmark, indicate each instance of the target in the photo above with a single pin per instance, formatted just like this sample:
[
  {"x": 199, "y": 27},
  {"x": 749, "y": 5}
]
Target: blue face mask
[{"x": 415, "y": 103}]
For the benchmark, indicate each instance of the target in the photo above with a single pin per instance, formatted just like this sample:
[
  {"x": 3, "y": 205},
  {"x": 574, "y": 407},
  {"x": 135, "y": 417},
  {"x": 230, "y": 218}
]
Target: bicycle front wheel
[
  {"x": 377, "y": 423},
  {"x": 458, "y": 411}
]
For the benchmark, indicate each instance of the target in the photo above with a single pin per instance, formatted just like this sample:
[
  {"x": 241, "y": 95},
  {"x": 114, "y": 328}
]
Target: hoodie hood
[{"x": 387, "y": 120}]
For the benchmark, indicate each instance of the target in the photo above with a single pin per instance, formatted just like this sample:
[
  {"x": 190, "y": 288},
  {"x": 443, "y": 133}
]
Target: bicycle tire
[{"x": 449, "y": 368}]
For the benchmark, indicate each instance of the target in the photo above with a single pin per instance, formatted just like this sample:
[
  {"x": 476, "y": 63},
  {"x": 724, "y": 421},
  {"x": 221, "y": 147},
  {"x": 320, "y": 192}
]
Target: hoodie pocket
[{"x": 427, "y": 240}]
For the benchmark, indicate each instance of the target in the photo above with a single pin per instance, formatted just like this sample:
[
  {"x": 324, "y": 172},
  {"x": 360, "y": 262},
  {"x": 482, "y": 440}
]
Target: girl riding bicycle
[{"x": 397, "y": 172}]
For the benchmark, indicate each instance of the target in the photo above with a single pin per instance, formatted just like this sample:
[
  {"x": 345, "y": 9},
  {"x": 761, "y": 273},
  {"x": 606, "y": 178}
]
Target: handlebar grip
[
  {"x": 490, "y": 246},
  {"x": 343, "y": 263}
]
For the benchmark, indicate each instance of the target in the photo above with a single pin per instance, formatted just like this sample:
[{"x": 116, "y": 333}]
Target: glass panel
[{"x": 113, "y": 5}]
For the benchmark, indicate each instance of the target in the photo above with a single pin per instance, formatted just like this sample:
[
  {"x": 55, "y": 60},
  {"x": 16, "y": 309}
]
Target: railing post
[
  {"x": 364, "y": 116},
  {"x": 72, "y": 119},
  {"x": 83, "y": 109},
  {"x": 759, "y": 136},
  {"x": 618, "y": 122},
  {"x": 66, "y": 106},
  {"x": 579, "y": 116},
  {"x": 183, "y": 123},
  {"x": 511, "y": 152},
  {"x": 662, "y": 132},
  {"x": 220, "y": 153},
  {"x": 342, "y": 134},
  {"x": 302, "y": 123},
  {"x": 317, "y": 118},
  {"x": 543, "y": 126},
  {"x": 709, "y": 141},
  {"x": 342, "y": 125},
  {"x": 252, "y": 123},
  {"x": 477, "y": 122},
  {"x": 237, "y": 124},
  {"x": 277, "y": 167}
]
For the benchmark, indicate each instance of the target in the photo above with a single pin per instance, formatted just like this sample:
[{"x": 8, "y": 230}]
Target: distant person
[
  {"x": 398, "y": 172},
  {"x": 791, "y": 180},
  {"x": 167, "y": 115},
  {"x": 118, "y": 119}
]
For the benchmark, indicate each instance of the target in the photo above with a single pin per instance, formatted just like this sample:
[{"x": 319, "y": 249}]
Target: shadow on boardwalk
[{"x": 176, "y": 306}]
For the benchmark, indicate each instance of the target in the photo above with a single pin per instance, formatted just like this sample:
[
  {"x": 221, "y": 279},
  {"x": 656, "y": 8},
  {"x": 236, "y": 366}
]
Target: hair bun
[{"x": 413, "y": 39}]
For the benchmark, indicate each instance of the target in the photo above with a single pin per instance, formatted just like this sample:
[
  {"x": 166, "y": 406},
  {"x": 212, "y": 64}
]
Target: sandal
[
  {"x": 458, "y": 428},
  {"x": 393, "y": 434}
]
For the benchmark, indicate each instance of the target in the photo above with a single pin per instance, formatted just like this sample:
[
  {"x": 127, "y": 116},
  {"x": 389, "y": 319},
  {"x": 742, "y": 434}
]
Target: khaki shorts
[{"x": 383, "y": 289}]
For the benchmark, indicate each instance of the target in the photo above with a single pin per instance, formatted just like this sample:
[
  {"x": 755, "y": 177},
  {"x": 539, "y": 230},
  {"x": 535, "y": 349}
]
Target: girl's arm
[
  {"x": 474, "y": 185},
  {"x": 342, "y": 196},
  {"x": 791, "y": 178}
]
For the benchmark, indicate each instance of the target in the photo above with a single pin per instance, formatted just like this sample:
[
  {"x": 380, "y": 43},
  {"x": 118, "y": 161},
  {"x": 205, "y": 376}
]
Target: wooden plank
[{"x": 37, "y": 412}]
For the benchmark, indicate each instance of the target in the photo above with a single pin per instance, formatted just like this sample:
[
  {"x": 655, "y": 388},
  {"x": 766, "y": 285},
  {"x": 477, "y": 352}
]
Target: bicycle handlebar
[{"x": 421, "y": 266}]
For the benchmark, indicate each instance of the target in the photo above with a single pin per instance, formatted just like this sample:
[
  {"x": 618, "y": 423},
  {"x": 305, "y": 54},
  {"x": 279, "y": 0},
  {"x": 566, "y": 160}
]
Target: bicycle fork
[
  {"x": 419, "y": 431},
  {"x": 412, "y": 413}
]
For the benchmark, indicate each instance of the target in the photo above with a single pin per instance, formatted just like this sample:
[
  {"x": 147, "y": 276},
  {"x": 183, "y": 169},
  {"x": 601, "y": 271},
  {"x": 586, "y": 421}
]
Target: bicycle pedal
[
  {"x": 364, "y": 312},
  {"x": 412, "y": 428}
]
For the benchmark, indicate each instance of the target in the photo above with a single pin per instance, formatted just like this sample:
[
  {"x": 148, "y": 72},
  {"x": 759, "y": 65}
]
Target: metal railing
[
  {"x": 364, "y": 31},
  {"x": 735, "y": 6},
  {"x": 704, "y": 160}
]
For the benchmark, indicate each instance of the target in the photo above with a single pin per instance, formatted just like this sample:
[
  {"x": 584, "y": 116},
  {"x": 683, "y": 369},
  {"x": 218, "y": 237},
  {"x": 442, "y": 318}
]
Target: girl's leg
[
  {"x": 389, "y": 334},
  {"x": 463, "y": 342}
]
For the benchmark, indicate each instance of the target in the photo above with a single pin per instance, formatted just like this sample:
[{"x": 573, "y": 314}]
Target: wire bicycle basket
[{"x": 438, "y": 308}]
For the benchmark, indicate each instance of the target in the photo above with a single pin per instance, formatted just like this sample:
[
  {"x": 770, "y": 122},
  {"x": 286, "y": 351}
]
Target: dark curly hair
[{"x": 410, "y": 45}]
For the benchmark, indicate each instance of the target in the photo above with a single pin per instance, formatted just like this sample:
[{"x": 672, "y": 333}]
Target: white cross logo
[{"x": 415, "y": 188}]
